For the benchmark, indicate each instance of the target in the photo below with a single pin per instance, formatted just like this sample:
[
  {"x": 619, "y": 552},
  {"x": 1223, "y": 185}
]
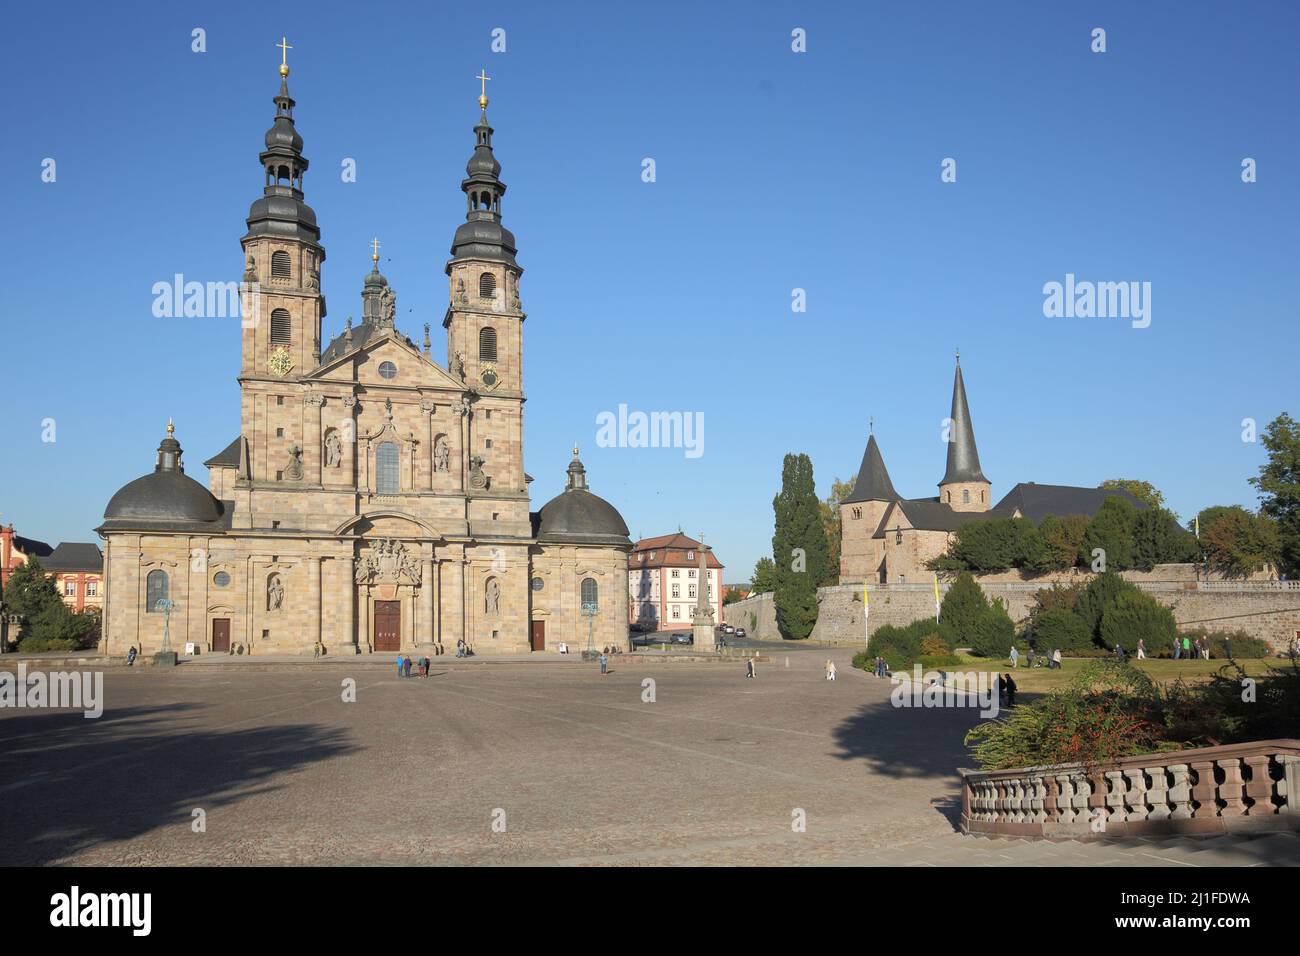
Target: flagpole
[
  {"x": 936, "y": 597},
  {"x": 866, "y": 616}
]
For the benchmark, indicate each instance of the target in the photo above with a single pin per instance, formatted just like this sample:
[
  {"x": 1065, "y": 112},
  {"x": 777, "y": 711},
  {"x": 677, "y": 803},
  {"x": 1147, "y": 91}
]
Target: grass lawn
[{"x": 1040, "y": 679}]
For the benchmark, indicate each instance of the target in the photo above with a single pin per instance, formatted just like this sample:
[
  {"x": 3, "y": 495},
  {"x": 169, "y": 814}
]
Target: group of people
[
  {"x": 1053, "y": 660},
  {"x": 1184, "y": 646},
  {"x": 404, "y": 664},
  {"x": 1006, "y": 690},
  {"x": 880, "y": 668}
]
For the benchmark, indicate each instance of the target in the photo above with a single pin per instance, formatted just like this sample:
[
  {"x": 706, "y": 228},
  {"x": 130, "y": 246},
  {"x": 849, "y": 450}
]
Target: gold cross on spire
[
  {"x": 482, "y": 82},
  {"x": 374, "y": 249},
  {"x": 284, "y": 55}
]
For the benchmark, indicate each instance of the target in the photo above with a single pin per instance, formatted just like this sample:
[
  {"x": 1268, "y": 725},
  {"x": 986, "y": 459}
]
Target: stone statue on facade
[
  {"x": 457, "y": 367},
  {"x": 274, "y": 593},
  {"x": 441, "y": 454},
  {"x": 476, "y": 477},
  {"x": 387, "y": 307},
  {"x": 293, "y": 471},
  {"x": 333, "y": 450},
  {"x": 493, "y": 598}
]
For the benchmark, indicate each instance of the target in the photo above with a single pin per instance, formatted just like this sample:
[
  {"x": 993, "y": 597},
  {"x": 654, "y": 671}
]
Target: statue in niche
[
  {"x": 457, "y": 366},
  {"x": 441, "y": 454},
  {"x": 250, "y": 270},
  {"x": 313, "y": 280},
  {"x": 333, "y": 450},
  {"x": 514, "y": 296},
  {"x": 493, "y": 598},
  {"x": 274, "y": 593},
  {"x": 461, "y": 297},
  {"x": 293, "y": 471}
]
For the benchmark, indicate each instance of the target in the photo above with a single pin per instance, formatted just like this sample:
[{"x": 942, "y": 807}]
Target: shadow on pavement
[{"x": 68, "y": 784}]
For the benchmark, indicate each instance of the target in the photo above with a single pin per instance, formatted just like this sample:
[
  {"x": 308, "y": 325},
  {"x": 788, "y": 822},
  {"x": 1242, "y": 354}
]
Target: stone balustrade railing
[{"x": 1204, "y": 791}]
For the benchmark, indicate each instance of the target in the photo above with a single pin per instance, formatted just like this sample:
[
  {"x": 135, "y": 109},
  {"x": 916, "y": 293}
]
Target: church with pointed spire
[
  {"x": 888, "y": 539},
  {"x": 375, "y": 498}
]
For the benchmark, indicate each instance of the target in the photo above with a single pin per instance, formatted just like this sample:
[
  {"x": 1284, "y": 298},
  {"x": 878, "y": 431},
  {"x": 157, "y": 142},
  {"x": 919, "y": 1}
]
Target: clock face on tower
[{"x": 489, "y": 377}]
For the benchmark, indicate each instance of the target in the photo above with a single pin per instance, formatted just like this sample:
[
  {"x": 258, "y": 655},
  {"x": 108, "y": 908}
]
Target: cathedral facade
[{"x": 374, "y": 500}]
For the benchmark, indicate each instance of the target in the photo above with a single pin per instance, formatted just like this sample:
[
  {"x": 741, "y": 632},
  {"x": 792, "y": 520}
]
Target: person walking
[
  {"x": 1011, "y": 691},
  {"x": 1029, "y": 656},
  {"x": 604, "y": 662},
  {"x": 830, "y": 669},
  {"x": 749, "y": 667},
  {"x": 406, "y": 666},
  {"x": 1015, "y": 657},
  {"x": 1056, "y": 658},
  {"x": 399, "y": 665},
  {"x": 1187, "y": 646},
  {"x": 1142, "y": 649}
]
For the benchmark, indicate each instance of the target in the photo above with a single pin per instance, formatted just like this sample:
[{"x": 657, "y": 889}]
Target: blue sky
[{"x": 775, "y": 171}]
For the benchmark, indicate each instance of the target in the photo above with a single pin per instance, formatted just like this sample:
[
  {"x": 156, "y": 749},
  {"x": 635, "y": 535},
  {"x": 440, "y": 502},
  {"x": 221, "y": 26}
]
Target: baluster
[
  {"x": 1017, "y": 800},
  {"x": 1289, "y": 786},
  {"x": 1158, "y": 793},
  {"x": 1051, "y": 800},
  {"x": 1115, "y": 798},
  {"x": 1082, "y": 798},
  {"x": 1259, "y": 788},
  {"x": 1065, "y": 801},
  {"x": 1035, "y": 801},
  {"x": 1232, "y": 788},
  {"x": 1204, "y": 789},
  {"x": 1180, "y": 792},
  {"x": 1136, "y": 798}
]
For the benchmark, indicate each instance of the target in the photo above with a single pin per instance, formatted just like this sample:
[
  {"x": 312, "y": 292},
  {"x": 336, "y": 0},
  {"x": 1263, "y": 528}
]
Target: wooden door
[
  {"x": 221, "y": 635},
  {"x": 539, "y": 636},
  {"x": 388, "y": 626}
]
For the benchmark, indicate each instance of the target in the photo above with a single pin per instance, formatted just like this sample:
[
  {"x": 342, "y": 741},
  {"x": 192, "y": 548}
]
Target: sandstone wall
[{"x": 1266, "y": 610}]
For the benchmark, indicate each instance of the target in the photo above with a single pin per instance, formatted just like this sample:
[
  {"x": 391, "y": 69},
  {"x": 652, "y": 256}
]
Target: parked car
[
  {"x": 727, "y": 628},
  {"x": 740, "y": 632},
  {"x": 682, "y": 637}
]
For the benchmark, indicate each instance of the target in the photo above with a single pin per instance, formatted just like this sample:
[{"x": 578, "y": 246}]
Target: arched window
[
  {"x": 281, "y": 327},
  {"x": 965, "y": 496},
  {"x": 487, "y": 345},
  {"x": 487, "y": 285},
  {"x": 387, "y": 480},
  {"x": 589, "y": 592},
  {"x": 155, "y": 587},
  {"x": 280, "y": 265}
]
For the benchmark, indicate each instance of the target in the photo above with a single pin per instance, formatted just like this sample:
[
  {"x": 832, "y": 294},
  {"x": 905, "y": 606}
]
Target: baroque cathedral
[{"x": 374, "y": 500}]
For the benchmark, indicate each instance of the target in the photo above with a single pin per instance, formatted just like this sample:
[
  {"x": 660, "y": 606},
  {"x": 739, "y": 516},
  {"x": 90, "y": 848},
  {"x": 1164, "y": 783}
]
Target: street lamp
[
  {"x": 165, "y": 605},
  {"x": 589, "y": 611}
]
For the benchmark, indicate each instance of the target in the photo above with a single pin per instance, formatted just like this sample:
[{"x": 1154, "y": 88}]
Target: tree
[
  {"x": 29, "y": 591},
  {"x": 1058, "y": 627},
  {"x": 1062, "y": 543},
  {"x": 1102, "y": 592},
  {"x": 1159, "y": 539},
  {"x": 1236, "y": 542},
  {"x": 1111, "y": 530},
  {"x": 764, "y": 579},
  {"x": 960, "y": 612},
  {"x": 799, "y": 548},
  {"x": 991, "y": 544},
  {"x": 993, "y": 632},
  {"x": 1136, "y": 616},
  {"x": 830, "y": 512},
  {"x": 1143, "y": 491},
  {"x": 1278, "y": 484}
]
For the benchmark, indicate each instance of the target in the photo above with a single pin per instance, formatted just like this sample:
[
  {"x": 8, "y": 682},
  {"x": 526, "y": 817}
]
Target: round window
[
  {"x": 387, "y": 370},
  {"x": 538, "y": 584},
  {"x": 221, "y": 579}
]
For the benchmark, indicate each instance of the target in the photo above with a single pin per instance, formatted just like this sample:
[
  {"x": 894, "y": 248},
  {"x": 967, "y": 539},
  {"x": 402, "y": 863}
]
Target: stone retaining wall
[{"x": 1269, "y": 611}]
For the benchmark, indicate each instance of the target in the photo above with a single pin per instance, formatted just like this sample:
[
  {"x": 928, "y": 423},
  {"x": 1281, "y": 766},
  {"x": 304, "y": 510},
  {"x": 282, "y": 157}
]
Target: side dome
[
  {"x": 165, "y": 496},
  {"x": 577, "y": 515}
]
